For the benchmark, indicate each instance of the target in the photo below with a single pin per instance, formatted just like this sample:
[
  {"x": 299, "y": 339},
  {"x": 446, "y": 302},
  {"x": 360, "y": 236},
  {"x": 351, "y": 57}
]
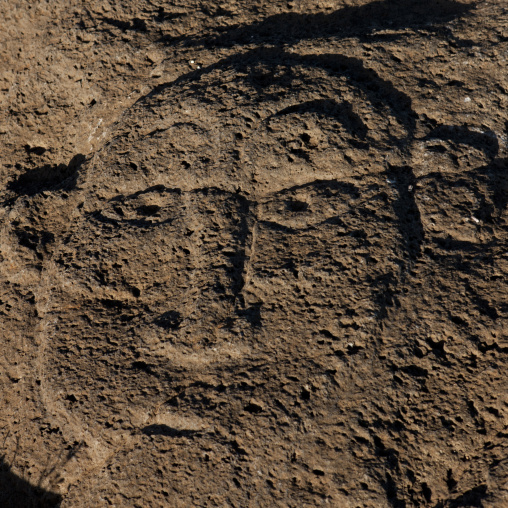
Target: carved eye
[{"x": 149, "y": 208}]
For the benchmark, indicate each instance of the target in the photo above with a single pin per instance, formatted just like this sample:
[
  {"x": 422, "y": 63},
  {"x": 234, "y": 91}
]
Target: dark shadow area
[
  {"x": 34, "y": 239},
  {"x": 167, "y": 431},
  {"x": 392, "y": 492},
  {"x": 485, "y": 308},
  {"x": 451, "y": 245},
  {"x": 18, "y": 493},
  {"x": 162, "y": 15},
  {"x": 496, "y": 174},
  {"x": 170, "y": 320},
  {"x": 390, "y": 458},
  {"x": 463, "y": 257},
  {"x": 135, "y": 24},
  {"x": 352, "y": 21},
  {"x": 385, "y": 295},
  {"x": 473, "y": 498},
  {"x": 252, "y": 314},
  {"x": 142, "y": 366},
  {"x": 242, "y": 237},
  {"x": 409, "y": 220},
  {"x": 487, "y": 142},
  {"x": 48, "y": 178}
]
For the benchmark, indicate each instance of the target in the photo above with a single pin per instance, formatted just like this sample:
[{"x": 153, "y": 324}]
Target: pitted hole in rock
[
  {"x": 296, "y": 205},
  {"x": 31, "y": 238},
  {"x": 170, "y": 320},
  {"x": 136, "y": 292},
  {"x": 142, "y": 366},
  {"x": 254, "y": 407},
  {"x": 112, "y": 303},
  {"x": 148, "y": 210},
  {"x": 71, "y": 398}
]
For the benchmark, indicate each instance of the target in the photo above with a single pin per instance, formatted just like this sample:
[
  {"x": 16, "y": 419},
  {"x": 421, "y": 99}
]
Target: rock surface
[{"x": 254, "y": 253}]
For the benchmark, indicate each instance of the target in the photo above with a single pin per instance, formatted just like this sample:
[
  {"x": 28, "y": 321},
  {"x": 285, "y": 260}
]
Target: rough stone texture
[{"x": 254, "y": 253}]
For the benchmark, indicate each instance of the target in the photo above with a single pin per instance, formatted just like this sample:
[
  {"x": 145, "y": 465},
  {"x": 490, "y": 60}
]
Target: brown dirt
[{"x": 254, "y": 253}]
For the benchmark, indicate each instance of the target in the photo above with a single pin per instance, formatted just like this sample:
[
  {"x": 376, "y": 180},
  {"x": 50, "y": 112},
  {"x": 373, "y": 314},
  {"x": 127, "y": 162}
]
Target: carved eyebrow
[
  {"x": 322, "y": 187},
  {"x": 341, "y": 111},
  {"x": 353, "y": 69},
  {"x": 138, "y": 222}
]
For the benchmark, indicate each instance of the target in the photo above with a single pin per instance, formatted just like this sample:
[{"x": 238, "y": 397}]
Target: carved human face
[{"x": 212, "y": 237}]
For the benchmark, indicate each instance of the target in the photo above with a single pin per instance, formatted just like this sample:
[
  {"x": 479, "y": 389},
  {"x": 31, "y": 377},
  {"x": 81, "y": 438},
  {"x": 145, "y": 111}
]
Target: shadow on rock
[
  {"x": 16, "y": 492},
  {"x": 360, "y": 21},
  {"x": 166, "y": 430},
  {"x": 48, "y": 178}
]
